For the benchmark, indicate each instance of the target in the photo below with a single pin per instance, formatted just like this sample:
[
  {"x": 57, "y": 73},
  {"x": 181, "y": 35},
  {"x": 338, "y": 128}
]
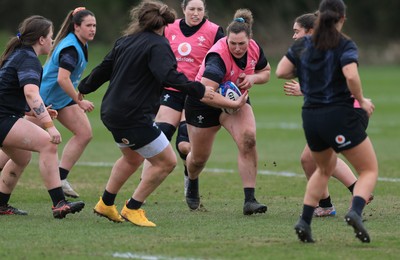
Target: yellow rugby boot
[
  {"x": 109, "y": 212},
  {"x": 137, "y": 217}
]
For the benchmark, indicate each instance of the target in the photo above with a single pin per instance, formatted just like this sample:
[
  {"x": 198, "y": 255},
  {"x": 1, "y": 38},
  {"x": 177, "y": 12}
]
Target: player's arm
[
  {"x": 285, "y": 69},
  {"x": 98, "y": 76},
  {"x": 350, "y": 71},
  {"x": 220, "y": 101},
  {"x": 39, "y": 110}
]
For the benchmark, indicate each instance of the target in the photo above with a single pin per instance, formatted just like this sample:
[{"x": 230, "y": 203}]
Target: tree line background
[{"x": 374, "y": 25}]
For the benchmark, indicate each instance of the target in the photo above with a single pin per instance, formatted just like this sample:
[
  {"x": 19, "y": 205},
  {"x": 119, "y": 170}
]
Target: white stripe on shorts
[{"x": 151, "y": 149}]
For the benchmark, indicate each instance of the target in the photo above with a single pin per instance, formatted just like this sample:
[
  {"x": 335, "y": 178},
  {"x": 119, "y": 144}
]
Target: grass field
[{"x": 222, "y": 232}]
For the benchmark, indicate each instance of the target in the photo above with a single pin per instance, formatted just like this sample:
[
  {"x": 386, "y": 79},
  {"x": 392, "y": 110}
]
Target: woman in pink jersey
[
  {"x": 237, "y": 58},
  {"x": 190, "y": 39},
  {"x": 304, "y": 25}
]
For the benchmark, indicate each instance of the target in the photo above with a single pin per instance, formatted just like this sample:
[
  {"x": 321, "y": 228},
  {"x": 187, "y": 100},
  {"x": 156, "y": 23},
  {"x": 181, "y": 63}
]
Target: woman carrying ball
[
  {"x": 237, "y": 58},
  {"x": 138, "y": 67}
]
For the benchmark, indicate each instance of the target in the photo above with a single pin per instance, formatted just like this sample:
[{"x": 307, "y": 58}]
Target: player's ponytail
[
  {"x": 242, "y": 22},
  {"x": 149, "y": 16},
  {"x": 325, "y": 35}
]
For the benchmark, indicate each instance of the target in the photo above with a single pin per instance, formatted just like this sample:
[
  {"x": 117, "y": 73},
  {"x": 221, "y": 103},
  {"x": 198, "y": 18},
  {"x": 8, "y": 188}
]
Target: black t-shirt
[
  {"x": 138, "y": 67},
  {"x": 22, "y": 67},
  {"x": 68, "y": 58},
  {"x": 320, "y": 72}
]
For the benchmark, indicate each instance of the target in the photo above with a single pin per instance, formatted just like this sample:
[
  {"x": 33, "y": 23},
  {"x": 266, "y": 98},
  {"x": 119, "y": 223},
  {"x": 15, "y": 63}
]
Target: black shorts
[
  {"x": 336, "y": 127},
  {"x": 173, "y": 99},
  {"x": 69, "y": 104},
  {"x": 363, "y": 117},
  {"x": 200, "y": 115},
  {"x": 6, "y": 123},
  {"x": 137, "y": 137}
]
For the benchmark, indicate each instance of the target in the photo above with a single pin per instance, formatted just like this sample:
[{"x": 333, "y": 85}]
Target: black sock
[
  {"x": 351, "y": 187},
  {"x": 325, "y": 203},
  {"x": 248, "y": 194},
  {"x": 134, "y": 204},
  {"x": 56, "y": 195},
  {"x": 358, "y": 204},
  {"x": 185, "y": 171},
  {"x": 193, "y": 188},
  {"x": 307, "y": 214},
  {"x": 63, "y": 173},
  {"x": 4, "y": 198},
  {"x": 108, "y": 198}
]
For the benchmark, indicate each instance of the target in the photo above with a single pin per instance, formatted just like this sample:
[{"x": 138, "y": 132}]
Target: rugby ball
[{"x": 229, "y": 90}]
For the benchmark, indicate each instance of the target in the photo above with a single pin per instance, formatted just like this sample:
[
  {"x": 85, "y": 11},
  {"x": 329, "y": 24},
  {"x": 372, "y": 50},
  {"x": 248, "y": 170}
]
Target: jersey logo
[
  {"x": 173, "y": 37},
  {"x": 201, "y": 39},
  {"x": 200, "y": 119},
  {"x": 184, "y": 49},
  {"x": 341, "y": 141},
  {"x": 166, "y": 97},
  {"x": 253, "y": 64},
  {"x": 125, "y": 141}
]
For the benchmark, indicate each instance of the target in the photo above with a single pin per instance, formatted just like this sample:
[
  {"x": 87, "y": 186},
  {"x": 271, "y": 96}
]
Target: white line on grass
[
  {"x": 129, "y": 255},
  {"x": 219, "y": 170}
]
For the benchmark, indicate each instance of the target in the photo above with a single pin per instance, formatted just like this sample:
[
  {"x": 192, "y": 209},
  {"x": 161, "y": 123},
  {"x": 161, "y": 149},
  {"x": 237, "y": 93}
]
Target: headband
[
  {"x": 77, "y": 10},
  {"x": 239, "y": 19}
]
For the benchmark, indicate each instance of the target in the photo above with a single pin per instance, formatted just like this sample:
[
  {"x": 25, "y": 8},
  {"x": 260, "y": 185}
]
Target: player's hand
[
  {"x": 367, "y": 105},
  {"x": 245, "y": 81},
  {"x": 52, "y": 113},
  {"x": 86, "y": 105},
  {"x": 292, "y": 88},
  {"x": 55, "y": 136},
  {"x": 209, "y": 93},
  {"x": 242, "y": 99}
]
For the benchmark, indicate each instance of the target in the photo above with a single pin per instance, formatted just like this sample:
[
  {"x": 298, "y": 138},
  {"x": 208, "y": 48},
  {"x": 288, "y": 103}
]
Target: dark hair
[
  {"x": 29, "y": 32},
  {"x": 307, "y": 21},
  {"x": 149, "y": 16},
  {"x": 242, "y": 22},
  {"x": 186, "y": 2},
  {"x": 73, "y": 17},
  {"x": 325, "y": 35}
]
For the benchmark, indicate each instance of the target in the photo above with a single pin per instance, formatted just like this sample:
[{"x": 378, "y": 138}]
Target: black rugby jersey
[
  {"x": 22, "y": 67},
  {"x": 138, "y": 67}
]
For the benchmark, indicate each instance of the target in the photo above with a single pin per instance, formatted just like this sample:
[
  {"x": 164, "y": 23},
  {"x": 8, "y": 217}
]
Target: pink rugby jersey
[
  {"x": 190, "y": 51},
  {"x": 232, "y": 70}
]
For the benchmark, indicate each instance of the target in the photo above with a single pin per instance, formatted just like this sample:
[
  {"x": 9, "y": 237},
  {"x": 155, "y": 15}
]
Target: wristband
[{"x": 48, "y": 124}]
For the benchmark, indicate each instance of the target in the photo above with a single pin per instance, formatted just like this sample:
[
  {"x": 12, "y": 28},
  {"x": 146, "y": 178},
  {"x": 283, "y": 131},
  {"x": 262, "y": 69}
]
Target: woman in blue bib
[{"x": 61, "y": 75}]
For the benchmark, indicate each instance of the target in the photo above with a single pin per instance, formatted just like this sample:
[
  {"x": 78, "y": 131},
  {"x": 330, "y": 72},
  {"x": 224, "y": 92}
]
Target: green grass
[{"x": 222, "y": 232}]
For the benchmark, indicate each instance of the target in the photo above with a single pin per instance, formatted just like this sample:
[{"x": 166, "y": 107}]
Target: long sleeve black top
[{"x": 138, "y": 67}]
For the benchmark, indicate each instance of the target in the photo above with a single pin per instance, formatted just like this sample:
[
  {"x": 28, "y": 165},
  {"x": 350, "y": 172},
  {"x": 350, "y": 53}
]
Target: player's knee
[
  {"x": 23, "y": 161},
  {"x": 249, "y": 141},
  {"x": 182, "y": 141},
  {"x": 167, "y": 129}
]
